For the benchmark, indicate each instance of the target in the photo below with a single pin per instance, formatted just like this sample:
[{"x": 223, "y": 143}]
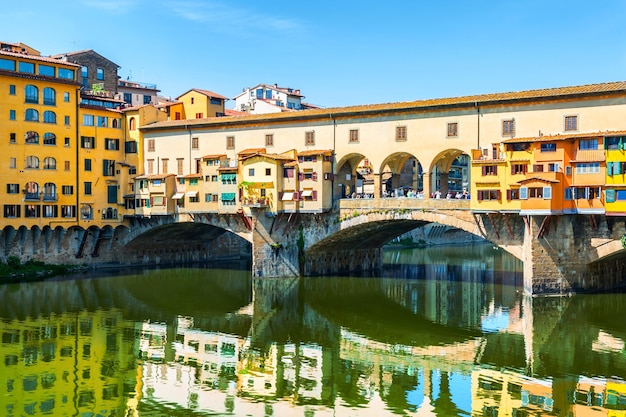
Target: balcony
[{"x": 255, "y": 202}]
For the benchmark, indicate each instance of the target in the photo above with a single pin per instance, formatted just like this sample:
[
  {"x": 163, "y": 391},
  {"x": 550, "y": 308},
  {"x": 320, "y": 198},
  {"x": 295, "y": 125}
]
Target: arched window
[
  {"x": 132, "y": 124},
  {"x": 49, "y": 192},
  {"x": 115, "y": 124},
  {"x": 31, "y": 191},
  {"x": 32, "y": 115},
  {"x": 86, "y": 212},
  {"x": 49, "y": 96},
  {"x": 32, "y": 162},
  {"x": 49, "y": 163},
  {"x": 31, "y": 94},
  {"x": 49, "y": 117},
  {"x": 49, "y": 138},
  {"x": 31, "y": 137}
]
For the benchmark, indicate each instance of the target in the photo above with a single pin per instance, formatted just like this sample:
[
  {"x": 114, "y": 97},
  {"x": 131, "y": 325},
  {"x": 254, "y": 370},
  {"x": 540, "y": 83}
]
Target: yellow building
[
  {"x": 615, "y": 202},
  {"x": 198, "y": 104},
  {"x": 153, "y": 195},
  {"x": 38, "y": 119}
]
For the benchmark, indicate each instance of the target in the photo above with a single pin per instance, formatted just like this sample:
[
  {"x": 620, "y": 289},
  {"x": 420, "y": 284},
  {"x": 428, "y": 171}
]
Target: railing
[
  {"x": 405, "y": 203},
  {"x": 255, "y": 202}
]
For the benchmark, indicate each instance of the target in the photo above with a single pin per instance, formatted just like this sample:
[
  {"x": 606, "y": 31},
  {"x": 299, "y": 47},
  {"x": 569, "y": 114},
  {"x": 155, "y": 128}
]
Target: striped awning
[{"x": 228, "y": 196}]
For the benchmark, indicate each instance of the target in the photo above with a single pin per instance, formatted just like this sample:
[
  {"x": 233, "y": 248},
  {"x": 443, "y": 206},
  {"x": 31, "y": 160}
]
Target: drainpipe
[{"x": 77, "y": 164}]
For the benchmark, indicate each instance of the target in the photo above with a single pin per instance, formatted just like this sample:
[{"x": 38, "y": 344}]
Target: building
[
  {"x": 135, "y": 93},
  {"x": 197, "y": 104},
  {"x": 263, "y": 99},
  {"x": 38, "y": 118},
  {"x": 97, "y": 74}
]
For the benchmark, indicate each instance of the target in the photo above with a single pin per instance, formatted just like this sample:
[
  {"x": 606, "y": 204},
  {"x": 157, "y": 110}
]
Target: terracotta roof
[
  {"x": 316, "y": 152},
  {"x": 215, "y": 156},
  {"x": 251, "y": 151},
  {"x": 38, "y": 58},
  {"x": 554, "y": 138},
  {"x": 526, "y": 180},
  {"x": 290, "y": 163},
  {"x": 197, "y": 175},
  {"x": 542, "y": 95},
  {"x": 205, "y": 92},
  {"x": 274, "y": 156},
  {"x": 230, "y": 112},
  {"x": 154, "y": 177}
]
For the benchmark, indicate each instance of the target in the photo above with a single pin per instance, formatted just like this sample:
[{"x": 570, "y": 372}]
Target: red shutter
[
  {"x": 314, "y": 195},
  {"x": 314, "y": 159},
  {"x": 296, "y": 196},
  {"x": 484, "y": 168},
  {"x": 480, "y": 195},
  {"x": 525, "y": 168},
  {"x": 495, "y": 170},
  {"x": 300, "y": 158},
  {"x": 280, "y": 196},
  {"x": 314, "y": 176},
  {"x": 301, "y": 176},
  {"x": 498, "y": 194},
  {"x": 509, "y": 195}
]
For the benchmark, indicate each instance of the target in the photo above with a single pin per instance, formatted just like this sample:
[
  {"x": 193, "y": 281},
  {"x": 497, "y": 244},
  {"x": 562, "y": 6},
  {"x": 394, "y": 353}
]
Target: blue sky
[{"x": 338, "y": 53}]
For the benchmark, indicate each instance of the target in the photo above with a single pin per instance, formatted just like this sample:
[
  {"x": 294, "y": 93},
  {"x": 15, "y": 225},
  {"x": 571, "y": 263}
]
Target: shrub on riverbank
[{"x": 14, "y": 269}]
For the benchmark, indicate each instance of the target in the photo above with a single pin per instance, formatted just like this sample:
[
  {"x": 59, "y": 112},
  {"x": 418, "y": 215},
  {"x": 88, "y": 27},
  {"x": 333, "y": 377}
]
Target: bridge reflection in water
[{"x": 444, "y": 332}]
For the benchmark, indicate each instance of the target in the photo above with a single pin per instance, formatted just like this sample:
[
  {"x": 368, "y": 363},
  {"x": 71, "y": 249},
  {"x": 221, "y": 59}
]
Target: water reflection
[{"x": 444, "y": 332}]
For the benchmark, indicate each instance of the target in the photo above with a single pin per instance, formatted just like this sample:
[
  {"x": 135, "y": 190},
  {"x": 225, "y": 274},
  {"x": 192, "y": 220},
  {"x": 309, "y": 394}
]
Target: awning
[
  {"x": 287, "y": 197},
  {"x": 177, "y": 196},
  {"x": 228, "y": 196},
  {"x": 192, "y": 193},
  {"x": 228, "y": 177},
  {"x": 306, "y": 193},
  {"x": 268, "y": 184}
]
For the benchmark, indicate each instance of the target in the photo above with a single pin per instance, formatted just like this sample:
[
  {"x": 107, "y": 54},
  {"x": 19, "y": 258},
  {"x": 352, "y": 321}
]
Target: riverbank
[{"x": 13, "y": 271}]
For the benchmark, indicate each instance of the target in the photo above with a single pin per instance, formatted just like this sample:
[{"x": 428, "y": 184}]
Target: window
[
  {"x": 488, "y": 195},
  {"x": 66, "y": 142},
  {"x": 588, "y": 144},
  {"x": 87, "y": 142},
  {"x": 269, "y": 140},
  {"x": 26, "y": 67},
  {"x": 66, "y": 165},
  {"x": 87, "y": 163},
  {"x": 31, "y": 115},
  {"x": 194, "y": 143},
  {"x": 88, "y": 120},
  {"x": 132, "y": 124},
  {"x": 108, "y": 168},
  {"x": 49, "y": 96},
  {"x": 66, "y": 74},
  {"x": 115, "y": 124},
  {"x": 66, "y": 97},
  {"x": 553, "y": 167},
  {"x": 13, "y": 188},
  {"x": 151, "y": 145},
  {"x": 588, "y": 168},
  {"x": 12, "y": 89},
  {"x": 548, "y": 147},
  {"x": 49, "y": 117},
  {"x": 538, "y": 168},
  {"x": 150, "y": 166},
  {"x": 587, "y": 193},
  {"x": 87, "y": 187},
  {"x": 12, "y": 115},
  {"x": 354, "y": 136},
  {"x": 12, "y": 138},
  {"x": 453, "y": 130},
  {"x": 146, "y": 99},
  {"x": 571, "y": 123},
  {"x": 103, "y": 121},
  {"x": 130, "y": 146},
  {"x": 32, "y": 210},
  {"x": 401, "y": 133},
  {"x": 490, "y": 170},
  {"x": 268, "y": 171},
  {"x": 99, "y": 74},
  {"x": 179, "y": 165},
  {"x": 518, "y": 169},
  {"x": 7, "y": 64},
  {"x": 12, "y": 162},
  {"x": 164, "y": 165},
  {"x": 251, "y": 172},
  {"x": 68, "y": 211},
  {"x": 177, "y": 115},
  {"x": 32, "y": 162},
  {"x": 230, "y": 142},
  {"x": 49, "y": 163},
  {"x": 199, "y": 115},
  {"x": 112, "y": 144},
  {"x": 67, "y": 189},
  {"x": 66, "y": 120},
  {"x": 11, "y": 210},
  {"x": 31, "y": 137},
  {"x": 508, "y": 127},
  {"x": 31, "y": 94},
  {"x": 309, "y": 138}
]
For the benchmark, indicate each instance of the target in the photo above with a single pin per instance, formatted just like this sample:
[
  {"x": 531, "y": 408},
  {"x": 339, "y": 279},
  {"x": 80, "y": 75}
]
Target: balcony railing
[{"x": 255, "y": 202}]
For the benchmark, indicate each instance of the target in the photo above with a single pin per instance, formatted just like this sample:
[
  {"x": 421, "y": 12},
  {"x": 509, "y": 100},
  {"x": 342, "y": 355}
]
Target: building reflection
[{"x": 321, "y": 347}]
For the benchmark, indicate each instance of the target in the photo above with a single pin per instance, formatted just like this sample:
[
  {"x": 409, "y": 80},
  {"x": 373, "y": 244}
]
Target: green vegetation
[{"x": 15, "y": 270}]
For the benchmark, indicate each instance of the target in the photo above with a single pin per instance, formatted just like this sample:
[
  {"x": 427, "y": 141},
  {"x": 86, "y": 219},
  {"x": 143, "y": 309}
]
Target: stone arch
[
  {"x": 400, "y": 171},
  {"x": 438, "y": 174},
  {"x": 346, "y": 175}
]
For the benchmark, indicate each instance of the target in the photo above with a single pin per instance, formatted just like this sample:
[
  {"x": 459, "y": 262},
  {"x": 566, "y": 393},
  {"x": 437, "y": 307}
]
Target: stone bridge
[{"x": 561, "y": 254}]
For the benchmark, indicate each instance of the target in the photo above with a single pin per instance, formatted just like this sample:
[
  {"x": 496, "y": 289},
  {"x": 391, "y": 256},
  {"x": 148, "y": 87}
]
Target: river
[{"x": 444, "y": 331}]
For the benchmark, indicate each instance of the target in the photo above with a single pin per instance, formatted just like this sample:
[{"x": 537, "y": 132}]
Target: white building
[{"x": 265, "y": 98}]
